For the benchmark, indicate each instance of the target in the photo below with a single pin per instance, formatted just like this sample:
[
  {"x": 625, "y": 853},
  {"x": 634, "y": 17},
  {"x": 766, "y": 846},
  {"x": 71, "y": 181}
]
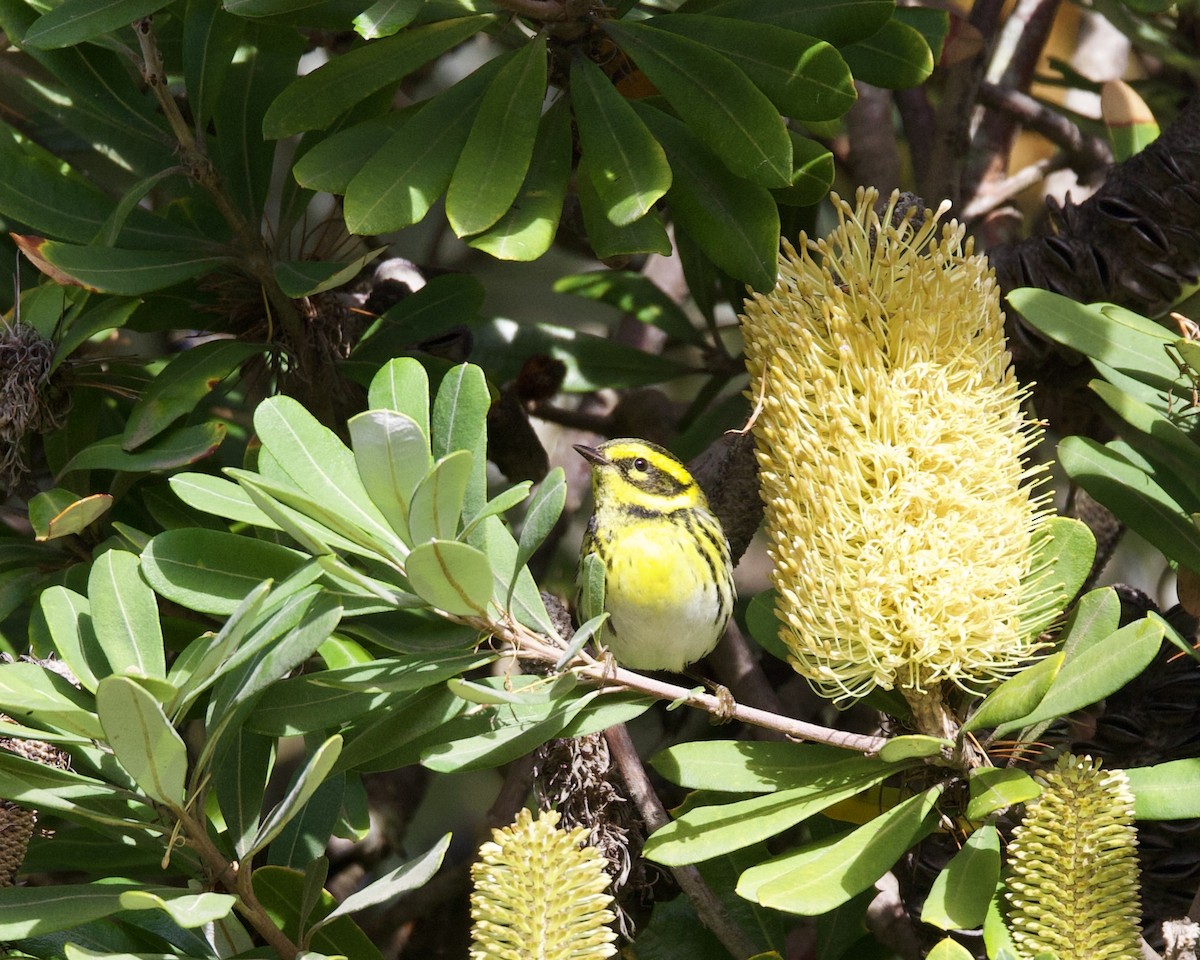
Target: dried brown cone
[
  {"x": 1135, "y": 242},
  {"x": 27, "y": 404},
  {"x": 17, "y": 823},
  {"x": 576, "y": 777}
]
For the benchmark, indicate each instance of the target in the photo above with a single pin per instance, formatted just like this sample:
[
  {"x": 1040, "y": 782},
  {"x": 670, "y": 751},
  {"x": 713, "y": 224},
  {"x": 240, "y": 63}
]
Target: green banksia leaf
[
  {"x": 1074, "y": 883},
  {"x": 540, "y": 895},
  {"x": 892, "y": 446}
]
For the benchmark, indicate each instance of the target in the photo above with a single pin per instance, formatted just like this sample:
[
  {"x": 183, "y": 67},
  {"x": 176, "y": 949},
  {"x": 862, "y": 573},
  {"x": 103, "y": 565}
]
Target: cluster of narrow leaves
[
  {"x": 688, "y": 108},
  {"x": 1149, "y": 377},
  {"x": 375, "y": 567}
]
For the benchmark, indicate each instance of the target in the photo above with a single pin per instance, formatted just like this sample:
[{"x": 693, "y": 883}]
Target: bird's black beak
[{"x": 591, "y": 455}]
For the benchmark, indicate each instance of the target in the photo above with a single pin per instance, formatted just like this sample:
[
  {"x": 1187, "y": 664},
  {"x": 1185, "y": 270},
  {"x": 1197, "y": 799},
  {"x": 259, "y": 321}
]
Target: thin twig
[
  {"x": 528, "y": 644},
  {"x": 1084, "y": 153},
  {"x": 997, "y": 194},
  {"x": 709, "y": 908}
]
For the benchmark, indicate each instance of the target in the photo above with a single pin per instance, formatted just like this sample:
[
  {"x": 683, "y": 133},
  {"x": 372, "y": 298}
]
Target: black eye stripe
[{"x": 649, "y": 477}]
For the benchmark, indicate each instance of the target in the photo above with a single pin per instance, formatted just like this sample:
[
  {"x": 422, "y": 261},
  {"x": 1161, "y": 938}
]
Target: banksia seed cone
[
  {"x": 540, "y": 895},
  {"x": 891, "y": 447},
  {"x": 1074, "y": 883}
]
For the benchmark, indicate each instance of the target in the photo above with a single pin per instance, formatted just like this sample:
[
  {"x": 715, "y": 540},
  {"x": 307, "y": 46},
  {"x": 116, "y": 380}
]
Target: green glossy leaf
[
  {"x": 1157, "y": 438},
  {"x": 30, "y": 691},
  {"x": 635, "y": 294},
  {"x": 1017, "y": 696},
  {"x": 405, "y": 878},
  {"x": 607, "y": 240},
  {"x": 1166, "y": 791},
  {"x": 218, "y": 496},
  {"x": 590, "y": 584},
  {"x": 529, "y": 226},
  {"x": 715, "y": 99},
  {"x": 959, "y": 897},
  {"x": 188, "y": 911},
  {"x": 306, "y": 836},
  {"x": 392, "y": 454},
  {"x": 68, "y": 621},
  {"x": 895, "y": 58},
  {"x": 499, "y": 504},
  {"x": 520, "y": 597},
  {"x": 400, "y": 182},
  {"x": 71, "y": 795},
  {"x": 239, "y": 775},
  {"x": 315, "y": 100},
  {"x": 812, "y": 176},
  {"x": 913, "y": 746},
  {"x": 495, "y": 158},
  {"x": 627, "y": 167},
  {"x": 125, "y": 616},
  {"x": 438, "y": 499},
  {"x": 948, "y": 949},
  {"x": 459, "y": 422},
  {"x": 143, "y": 739},
  {"x": 500, "y": 734},
  {"x": 30, "y": 911},
  {"x": 109, "y": 314},
  {"x": 743, "y": 766},
  {"x": 60, "y": 513},
  {"x": 402, "y": 385},
  {"x": 996, "y": 788},
  {"x": 178, "y": 448},
  {"x": 1121, "y": 339},
  {"x": 545, "y": 507},
  {"x": 303, "y": 278},
  {"x": 1064, "y": 552},
  {"x": 116, "y": 270},
  {"x": 1133, "y": 496},
  {"x": 74, "y": 21},
  {"x": 211, "y": 571},
  {"x": 1095, "y": 671},
  {"x": 454, "y": 577},
  {"x": 735, "y": 223},
  {"x": 281, "y": 892},
  {"x": 210, "y": 41},
  {"x": 710, "y": 831},
  {"x": 396, "y": 737},
  {"x": 333, "y": 163},
  {"x": 308, "y": 779},
  {"x": 181, "y": 384},
  {"x": 385, "y": 17},
  {"x": 802, "y": 76},
  {"x": 319, "y": 464},
  {"x": 826, "y": 874},
  {"x": 841, "y": 22},
  {"x": 395, "y": 674}
]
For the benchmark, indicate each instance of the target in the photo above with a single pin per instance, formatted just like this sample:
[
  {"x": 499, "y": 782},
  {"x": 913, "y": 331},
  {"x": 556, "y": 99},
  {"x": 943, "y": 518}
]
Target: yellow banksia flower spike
[
  {"x": 1074, "y": 883},
  {"x": 540, "y": 894},
  {"x": 892, "y": 445}
]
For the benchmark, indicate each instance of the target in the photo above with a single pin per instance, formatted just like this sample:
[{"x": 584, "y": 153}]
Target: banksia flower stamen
[
  {"x": 1074, "y": 883},
  {"x": 891, "y": 446},
  {"x": 539, "y": 895}
]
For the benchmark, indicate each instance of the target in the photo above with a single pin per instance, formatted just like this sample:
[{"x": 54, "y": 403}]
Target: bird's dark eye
[{"x": 640, "y": 464}]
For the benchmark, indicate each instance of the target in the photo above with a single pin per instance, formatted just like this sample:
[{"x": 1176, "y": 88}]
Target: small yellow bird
[{"x": 668, "y": 584}]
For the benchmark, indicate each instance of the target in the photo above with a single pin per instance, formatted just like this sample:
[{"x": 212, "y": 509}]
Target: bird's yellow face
[{"x": 635, "y": 475}]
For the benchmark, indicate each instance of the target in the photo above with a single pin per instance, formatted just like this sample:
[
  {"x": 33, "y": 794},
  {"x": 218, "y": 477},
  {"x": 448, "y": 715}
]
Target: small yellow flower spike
[
  {"x": 540, "y": 895},
  {"x": 891, "y": 445},
  {"x": 1074, "y": 884}
]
